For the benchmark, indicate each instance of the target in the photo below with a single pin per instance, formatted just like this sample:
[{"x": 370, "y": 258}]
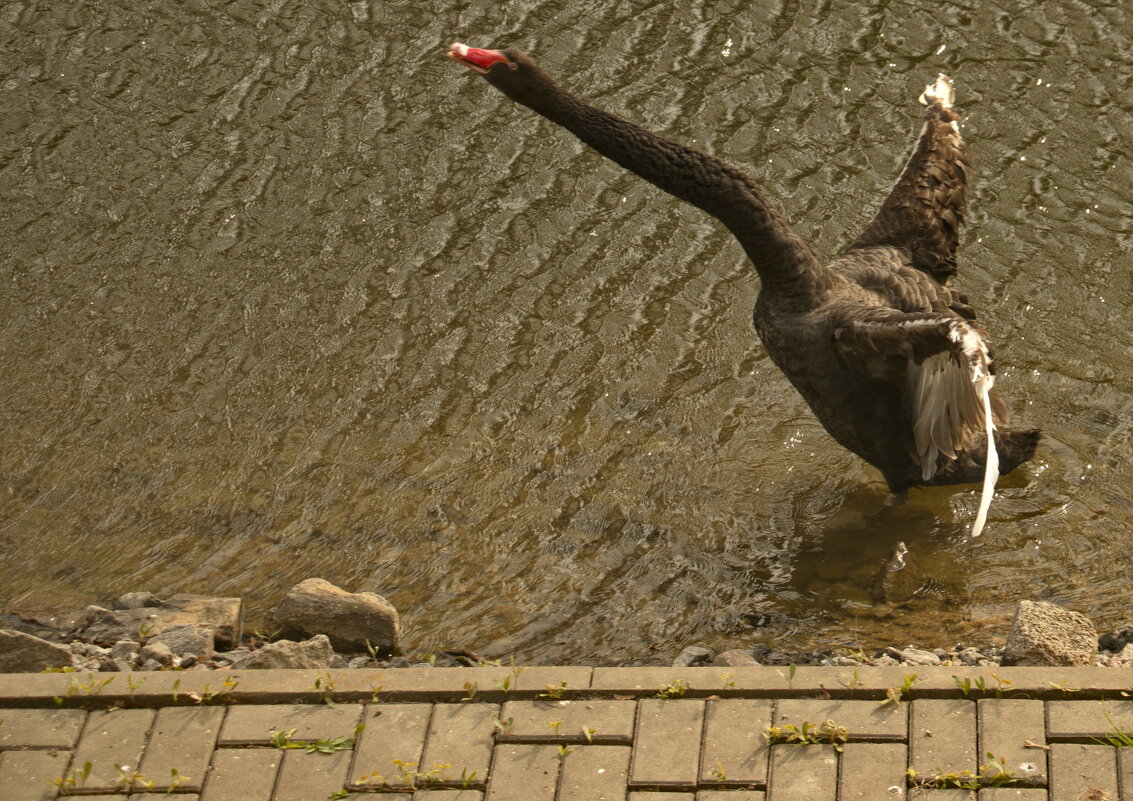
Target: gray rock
[
  {"x": 87, "y": 650},
  {"x": 223, "y": 615},
  {"x": 182, "y": 640},
  {"x": 734, "y": 658},
  {"x": 151, "y": 664},
  {"x": 693, "y": 655},
  {"x": 136, "y": 600},
  {"x": 351, "y": 621},
  {"x": 125, "y": 649},
  {"x": 968, "y": 656},
  {"x": 158, "y": 652},
  {"x": 112, "y": 665},
  {"x": 313, "y": 654},
  {"x": 361, "y": 662},
  {"x": 913, "y": 656},
  {"x": 1116, "y": 640},
  {"x": 25, "y": 653},
  {"x": 1045, "y": 634}
]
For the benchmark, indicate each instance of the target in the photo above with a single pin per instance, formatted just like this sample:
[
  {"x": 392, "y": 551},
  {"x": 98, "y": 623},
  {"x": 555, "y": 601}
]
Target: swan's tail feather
[{"x": 991, "y": 469}]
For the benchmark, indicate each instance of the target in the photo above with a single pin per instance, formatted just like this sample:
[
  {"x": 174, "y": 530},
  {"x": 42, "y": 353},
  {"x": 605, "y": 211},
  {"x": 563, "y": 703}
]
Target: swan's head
[
  {"x": 510, "y": 71},
  {"x": 480, "y": 61}
]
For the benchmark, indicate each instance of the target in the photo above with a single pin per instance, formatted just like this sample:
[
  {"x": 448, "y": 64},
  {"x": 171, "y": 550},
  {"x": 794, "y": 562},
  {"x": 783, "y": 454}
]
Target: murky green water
[{"x": 286, "y": 293}]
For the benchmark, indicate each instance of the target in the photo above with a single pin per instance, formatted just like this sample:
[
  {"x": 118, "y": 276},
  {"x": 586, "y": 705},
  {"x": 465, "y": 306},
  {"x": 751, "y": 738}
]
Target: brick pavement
[{"x": 566, "y": 734}]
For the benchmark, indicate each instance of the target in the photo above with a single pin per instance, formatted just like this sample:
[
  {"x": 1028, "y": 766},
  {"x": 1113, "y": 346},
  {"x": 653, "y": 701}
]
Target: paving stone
[
  {"x": 159, "y": 797},
  {"x": 109, "y": 738},
  {"x": 650, "y": 680},
  {"x": 1004, "y": 728},
  {"x": 437, "y": 795},
  {"x": 448, "y": 684},
  {"x": 936, "y": 794},
  {"x": 27, "y": 775},
  {"x": 654, "y": 796},
  {"x": 182, "y": 739},
  {"x": 244, "y": 773},
  {"x": 431, "y": 684},
  {"x": 393, "y": 732},
  {"x": 730, "y": 795},
  {"x": 524, "y": 773},
  {"x": 667, "y": 743},
  {"x": 310, "y": 777},
  {"x": 872, "y": 771},
  {"x": 1083, "y": 719},
  {"x": 40, "y": 728},
  {"x": 539, "y": 679},
  {"x": 612, "y": 721},
  {"x": 461, "y": 736},
  {"x": 865, "y": 720},
  {"x": 1125, "y": 772},
  {"x": 255, "y": 725},
  {"x": 594, "y": 773},
  {"x": 1012, "y": 794},
  {"x": 1078, "y": 769},
  {"x": 803, "y": 771},
  {"x": 942, "y": 736},
  {"x": 734, "y": 741}
]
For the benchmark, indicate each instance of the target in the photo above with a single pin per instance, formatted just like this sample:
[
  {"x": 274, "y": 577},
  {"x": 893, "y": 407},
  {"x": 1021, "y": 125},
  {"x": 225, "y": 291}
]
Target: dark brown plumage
[{"x": 889, "y": 357}]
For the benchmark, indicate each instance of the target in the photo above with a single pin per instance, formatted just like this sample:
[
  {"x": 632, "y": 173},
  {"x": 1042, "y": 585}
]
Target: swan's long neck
[{"x": 787, "y": 266}]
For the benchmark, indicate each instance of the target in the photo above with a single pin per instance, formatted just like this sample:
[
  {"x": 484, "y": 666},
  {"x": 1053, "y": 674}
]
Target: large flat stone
[
  {"x": 394, "y": 733},
  {"x": 40, "y": 728},
  {"x": 311, "y": 776},
  {"x": 667, "y": 743},
  {"x": 111, "y": 738},
  {"x": 1076, "y": 770},
  {"x": 734, "y": 741},
  {"x": 942, "y": 736},
  {"x": 803, "y": 771},
  {"x": 871, "y": 771},
  {"x": 461, "y": 736},
  {"x": 256, "y": 725},
  {"x": 244, "y": 773},
  {"x": 524, "y": 773},
  {"x": 594, "y": 773},
  {"x": 581, "y": 721},
  {"x": 25, "y": 653},
  {"x": 182, "y": 740},
  {"x": 30, "y": 775},
  {"x": 864, "y": 720},
  {"x": 1005, "y": 727}
]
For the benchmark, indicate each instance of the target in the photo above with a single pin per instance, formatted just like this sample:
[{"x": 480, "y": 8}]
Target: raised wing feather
[{"x": 923, "y": 211}]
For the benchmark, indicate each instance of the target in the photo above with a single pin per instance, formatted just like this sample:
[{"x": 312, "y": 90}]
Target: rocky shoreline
[{"x": 320, "y": 626}]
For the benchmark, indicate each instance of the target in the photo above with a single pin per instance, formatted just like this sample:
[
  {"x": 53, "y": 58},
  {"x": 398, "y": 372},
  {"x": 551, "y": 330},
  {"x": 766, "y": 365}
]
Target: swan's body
[{"x": 886, "y": 354}]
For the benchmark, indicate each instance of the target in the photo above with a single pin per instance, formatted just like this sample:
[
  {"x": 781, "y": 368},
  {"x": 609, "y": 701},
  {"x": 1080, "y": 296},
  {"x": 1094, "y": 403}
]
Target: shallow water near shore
[{"x": 286, "y": 293}]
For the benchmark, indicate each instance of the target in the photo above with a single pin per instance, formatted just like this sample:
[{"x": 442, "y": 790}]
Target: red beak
[{"x": 479, "y": 60}]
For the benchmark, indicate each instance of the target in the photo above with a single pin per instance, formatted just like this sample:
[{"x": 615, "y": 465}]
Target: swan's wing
[
  {"x": 941, "y": 366},
  {"x": 925, "y": 208}
]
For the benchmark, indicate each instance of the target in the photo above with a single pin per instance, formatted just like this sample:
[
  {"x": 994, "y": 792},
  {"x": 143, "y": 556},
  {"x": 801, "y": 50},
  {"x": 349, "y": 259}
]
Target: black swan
[{"x": 887, "y": 355}]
